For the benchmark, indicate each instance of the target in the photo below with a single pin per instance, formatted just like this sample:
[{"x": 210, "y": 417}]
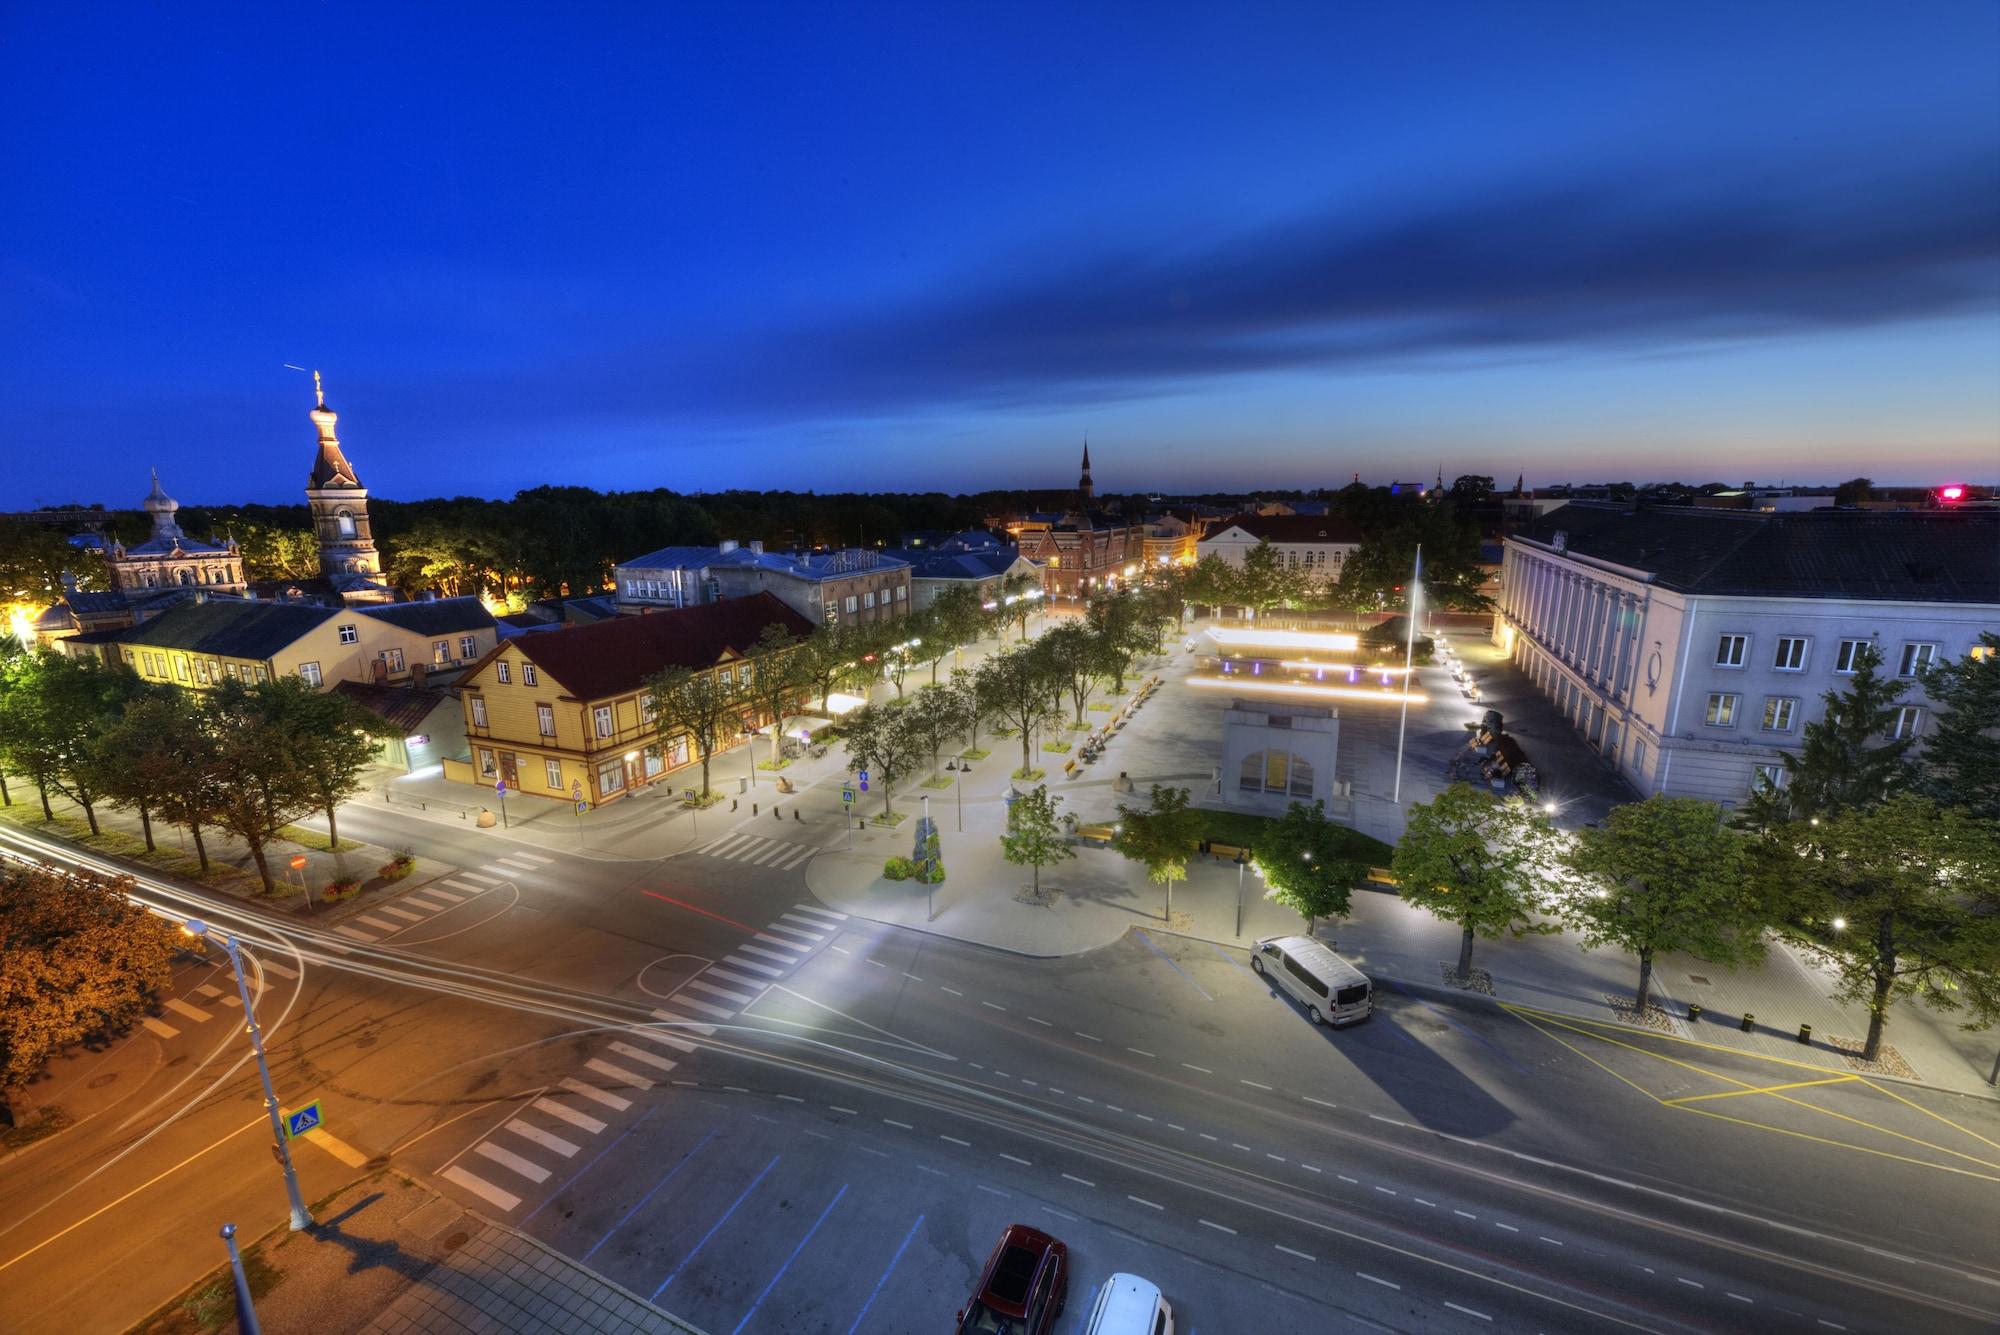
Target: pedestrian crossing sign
[
  {"x": 301, "y": 1120},
  {"x": 847, "y": 796}
]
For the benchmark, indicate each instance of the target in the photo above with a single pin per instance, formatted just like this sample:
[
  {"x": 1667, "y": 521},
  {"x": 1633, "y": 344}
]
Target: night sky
[{"x": 896, "y": 248}]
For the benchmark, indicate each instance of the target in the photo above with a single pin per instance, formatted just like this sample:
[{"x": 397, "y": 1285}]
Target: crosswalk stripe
[
  {"x": 480, "y": 1187},
  {"x": 618, "y": 1073},
  {"x": 477, "y": 879},
  {"x": 704, "y": 1007},
  {"x": 527, "y": 1168},
  {"x": 592, "y": 1092},
  {"x": 663, "y": 1038},
  {"x": 794, "y": 938},
  {"x": 729, "y": 975},
  {"x": 796, "y": 858},
  {"x": 745, "y": 853},
  {"x": 737, "y": 962},
  {"x": 455, "y": 891},
  {"x": 404, "y": 914},
  {"x": 351, "y": 932},
  {"x": 816, "y": 930},
  {"x": 759, "y": 951},
  {"x": 232, "y": 1001},
  {"x": 570, "y": 1115},
  {"x": 644, "y": 1057},
  {"x": 532, "y": 857},
  {"x": 833, "y": 918},
  {"x": 505, "y": 873},
  {"x": 716, "y": 847},
  {"x": 179, "y": 1007},
  {"x": 741, "y": 999},
  {"x": 209, "y": 990},
  {"x": 542, "y": 1138},
  {"x": 427, "y": 904},
  {"x": 769, "y": 856},
  {"x": 279, "y": 969},
  {"x": 683, "y": 1021},
  {"x": 382, "y": 923},
  {"x": 524, "y": 868},
  {"x": 163, "y": 1030}
]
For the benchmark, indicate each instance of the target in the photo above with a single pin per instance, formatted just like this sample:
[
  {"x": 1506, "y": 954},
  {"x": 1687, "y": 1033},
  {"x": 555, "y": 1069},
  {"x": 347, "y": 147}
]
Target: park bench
[
  {"x": 1228, "y": 852},
  {"x": 1095, "y": 834},
  {"x": 1069, "y": 769}
]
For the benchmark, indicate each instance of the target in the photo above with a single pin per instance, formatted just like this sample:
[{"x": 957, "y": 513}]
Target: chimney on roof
[
  {"x": 727, "y": 545},
  {"x": 757, "y": 546}
]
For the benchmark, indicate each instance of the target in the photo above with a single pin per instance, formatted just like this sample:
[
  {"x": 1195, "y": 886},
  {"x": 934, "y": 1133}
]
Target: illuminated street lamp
[{"x": 195, "y": 927}]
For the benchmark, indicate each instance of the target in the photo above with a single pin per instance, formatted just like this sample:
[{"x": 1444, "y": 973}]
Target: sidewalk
[{"x": 390, "y": 1255}]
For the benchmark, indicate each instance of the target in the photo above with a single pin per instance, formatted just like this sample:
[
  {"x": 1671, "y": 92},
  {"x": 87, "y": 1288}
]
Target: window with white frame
[
  {"x": 868, "y": 598},
  {"x": 1779, "y": 711},
  {"x": 440, "y": 652},
  {"x": 181, "y": 668},
  {"x": 258, "y": 671},
  {"x": 1722, "y": 707},
  {"x": 394, "y": 658},
  {"x": 468, "y": 646},
  {"x": 201, "y": 671},
  {"x": 649, "y": 709},
  {"x": 1917, "y": 657},
  {"x": 309, "y": 674},
  {"x": 1848, "y": 660},
  {"x": 553, "y": 768},
  {"x": 486, "y": 770},
  {"x": 1909, "y": 722},
  {"x": 349, "y": 634},
  {"x": 478, "y": 712},
  {"x": 1791, "y": 655},
  {"x": 1638, "y": 755},
  {"x": 503, "y": 672},
  {"x": 528, "y": 677},
  {"x": 902, "y": 594},
  {"x": 611, "y": 777},
  {"x": 1767, "y": 778},
  {"x": 853, "y": 603},
  {"x": 1730, "y": 650},
  {"x": 545, "y": 720},
  {"x": 602, "y": 714}
]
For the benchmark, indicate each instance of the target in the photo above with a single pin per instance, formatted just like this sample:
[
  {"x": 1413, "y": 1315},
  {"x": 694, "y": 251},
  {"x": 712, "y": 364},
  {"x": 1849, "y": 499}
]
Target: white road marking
[
  {"x": 232, "y": 1001},
  {"x": 1385, "y": 1283},
  {"x": 395, "y": 912},
  {"x": 1834, "y": 1324},
  {"x": 592, "y": 1092},
  {"x": 1175, "y": 1126},
  {"x": 1239, "y": 1145},
  {"x": 1464, "y": 1214},
  {"x": 1015, "y": 1158},
  {"x": 991, "y": 1191},
  {"x": 1689, "y": 1282},
  {"x": 1740, "y": 1298},
  {"x": 791, "y": 1098},
  {"x": 727, "y": 973},
  {"x": 643, "y": 1057},
  {"x": 1468, "y": 1311},
  {"x": 1092, "y": 1037},
  {"x": 279, "y": 969},
  {"x": 954, "y": 991},
  {"x": 990, "y": 1006},
  {"x": 704, "y": 1007},
  {"x": 428, "y": 904},
  {"x": 382, "y": 923},
  {"x": 570, "y": 1115},
  {"x": 1509, "y": 1227},
  {"x": 781, "y": 943},
  {"x": 1142, "y": 1052},
  {"x": 900, "y": 1126},
  {"x": 966, "y": 1144},
  {"x": 1219, "y": 1228},
  {"x": 208, "y": 990},
  {"x": 179, "y": 1007},
  {"x": 664, "y": 1039},
  {"x": 618, "y": 1073},
  {"x": 1141, "y": 1200},
  {"x": 480, "y": 1187},
  {"x": 1551, "y": 1241},
  {"x": 1345, "y": 1178},
  {"x": 527, "y": 1168},
  {"x": 1387, "y": 1192},
  {"x": 912, "y": 977},
  {"x": 536, "y": 858},
  {"x": 837, "y": 1108},
  {"x": 1254, "y": 1085},
  {"x": 514, "y": 862},
  {"x": 741, "y": 999},
  {"x": 542, "y": 1138},
  {"x": 1310, "y": 1168},
  {"x": 788, "y": 935},
  {"x": 1059, "y": 1214},
  {"x": 814, "y": 910},
  {"x": 842, "y": 949},
  {"x": 482, "y": 880},
  {"x": 1293, "y": 1251},
  {"x": 735, "y": 963},
  {"x": 1080, "y": 1181},
  {"x": 452, "y": 891},
  {"x": 1035, "y": 1019},
  {"x": 1192, "y": 1067},
  {"x": 762, "y": 953},
  {"x": 1204, "y": 1135},
  {"x": 1279, "y": 1157},
  {"x": 155, "y": 1027},
  {"x": 684, "y": 1021}
]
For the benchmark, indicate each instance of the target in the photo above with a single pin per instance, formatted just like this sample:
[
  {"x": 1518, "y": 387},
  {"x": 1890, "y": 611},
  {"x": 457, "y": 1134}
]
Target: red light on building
[{"x": 1951, "y": 493}]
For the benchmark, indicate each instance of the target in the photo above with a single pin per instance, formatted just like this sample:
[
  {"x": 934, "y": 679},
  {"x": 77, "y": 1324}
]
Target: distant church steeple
[
  {"x": 339, "y": 505},
  {"x": 1085, "y": 487}
]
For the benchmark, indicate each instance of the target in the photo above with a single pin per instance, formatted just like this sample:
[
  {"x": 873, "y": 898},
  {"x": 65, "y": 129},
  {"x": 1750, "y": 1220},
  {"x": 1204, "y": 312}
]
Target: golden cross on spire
[{"x": 318, "y": 391}]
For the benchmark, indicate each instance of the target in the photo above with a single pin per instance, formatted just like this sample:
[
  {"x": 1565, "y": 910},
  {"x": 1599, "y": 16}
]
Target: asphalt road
[{"x": 691, "y": 1076}]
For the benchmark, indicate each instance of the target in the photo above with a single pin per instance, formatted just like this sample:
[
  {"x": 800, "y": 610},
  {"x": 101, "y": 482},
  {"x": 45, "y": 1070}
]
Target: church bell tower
[{"x": 339, "y": 504}]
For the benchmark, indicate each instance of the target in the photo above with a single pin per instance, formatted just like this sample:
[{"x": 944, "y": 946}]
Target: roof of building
[
  {"x": 974, "y": 566},
  {"x": 403, "y": 708},
  {"x": 439, "y": 616},
  {"x": 86, "y": 603},
  {"x": 673, "y": 558},
  {"x": 227, "y": 628},
  {"x": 612, "y": 657},
  {"x": 1910, "y": 556},
  {"x": 1289, "y": 528}
]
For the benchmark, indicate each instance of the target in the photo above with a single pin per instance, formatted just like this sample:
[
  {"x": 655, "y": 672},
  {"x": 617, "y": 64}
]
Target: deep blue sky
[{"x": 932, "y": 246}]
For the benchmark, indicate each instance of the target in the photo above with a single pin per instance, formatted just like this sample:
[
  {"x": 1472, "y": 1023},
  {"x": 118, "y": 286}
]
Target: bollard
[
  {"x": 1748, "y": 1021},
  {"x": 1805, "y": 1034},
  {"x": 1694, "y": 1011},
  {"x": 777, "y": 814},
  {"x": 797, "y": 817},
  {"x": 755, "y": 809},
  {"x": 732, "y": 804}
]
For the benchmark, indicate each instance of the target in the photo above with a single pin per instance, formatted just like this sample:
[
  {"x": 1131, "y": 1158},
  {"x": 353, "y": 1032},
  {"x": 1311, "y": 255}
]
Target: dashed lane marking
[
  {"x": 480, "y": 1187},
  {"x": 1468, "y": 1311},
  {"x": 1015, "y": 1158},
  {"x": 1385, "y": 1283},
  {"x": 1141, "y": 1200},
  {"x": 1192, "y": 1067},
  {"x": 1080, "y": 1181},
  {"x": 1142, "y": 1052},
  {"x": 900, "y": 1126},
  {"x": 954, "y": 991},
  {"x": 991, "y": 1191},
  {"x": 1321, "y": 1102},
  {"x": 583, "y": 1121},
  {"x": 1254, "y": 1085},
  {"x": 1092, "y": 1037},
  {"x": 1293, "y": 1251},
  {"x": 964, "y": 1144},
  {"x": 1219, "y": 1228}
]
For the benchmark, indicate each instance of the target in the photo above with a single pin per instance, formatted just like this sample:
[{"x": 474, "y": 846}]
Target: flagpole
[{"x": 1409, "y": 660}]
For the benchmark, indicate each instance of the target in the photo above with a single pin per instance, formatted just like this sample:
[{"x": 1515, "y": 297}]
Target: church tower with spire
[
  {"x": 1084, "y": 486},
  {"x": 339, "y": 504}
]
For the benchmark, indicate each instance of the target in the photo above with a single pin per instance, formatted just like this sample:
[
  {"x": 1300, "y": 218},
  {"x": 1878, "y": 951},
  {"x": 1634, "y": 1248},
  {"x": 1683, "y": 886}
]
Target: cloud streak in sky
[{"x": 1609, "y": 263}]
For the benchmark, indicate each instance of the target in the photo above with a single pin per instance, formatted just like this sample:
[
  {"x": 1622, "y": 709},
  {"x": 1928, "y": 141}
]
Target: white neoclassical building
[{"x": 1690, "y": 647}]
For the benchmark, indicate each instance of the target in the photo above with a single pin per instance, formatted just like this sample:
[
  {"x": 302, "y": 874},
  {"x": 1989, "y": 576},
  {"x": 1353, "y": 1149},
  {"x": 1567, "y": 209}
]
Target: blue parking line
[
  {"x": 712, "y": 1228},
  {"x": 789, "y": 1259},
  {"x": 1461, "y": 1028},
  {"x": 587, "y": 1167},
  {"x": 1170, "y": 963},
  {"x": 626, "y": 1218},
  {"x": 1232, "y": 959},
  {"x": 877, "y": 1290}
]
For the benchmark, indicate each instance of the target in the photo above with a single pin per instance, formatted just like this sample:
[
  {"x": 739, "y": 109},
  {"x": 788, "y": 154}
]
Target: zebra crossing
[
  {"x": 386, "y": 920},
  {"x": 757, "y": 851},
  {"x": 525, "y": 1150},
  {"x": 211, "y": 994}
]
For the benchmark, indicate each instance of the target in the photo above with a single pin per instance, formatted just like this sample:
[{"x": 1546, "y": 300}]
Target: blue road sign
[
  {"x": 500, "y": 787},
  {"x": 581, "y": 806},
  {"x": 302, "y": 1120},
  {"x": 847, "y": 796},
  {"x": 863, "y": 776},
  {"x": 864, "y": 785}
]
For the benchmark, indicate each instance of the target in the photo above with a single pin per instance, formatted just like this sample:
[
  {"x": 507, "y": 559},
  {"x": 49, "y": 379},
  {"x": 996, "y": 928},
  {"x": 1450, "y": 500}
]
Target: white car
[{"x": 1129, "y": 1305}]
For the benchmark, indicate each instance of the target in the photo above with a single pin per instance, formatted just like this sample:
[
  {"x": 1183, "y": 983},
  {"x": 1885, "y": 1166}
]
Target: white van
[
  {"x": 1128, "y": 1305},
  {"x": 1332, "y": 990}
]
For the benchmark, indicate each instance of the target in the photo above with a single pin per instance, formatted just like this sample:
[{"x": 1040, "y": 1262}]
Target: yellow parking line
[
  {"x": 1839, "y": 1144},
  {"x": 1767, "y": 1089},
  {"x": 1928, "y": 1113},
  {"x": 1617, "y": 1026}
]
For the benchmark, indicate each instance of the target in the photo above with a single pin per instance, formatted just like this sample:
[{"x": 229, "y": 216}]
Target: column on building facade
[
  {"x": 1593, "y": 620},
  {"x": 1558, "y": 599},
  {"x": 1628, "y": 646},
  {"x": 1538, "y": 615}
]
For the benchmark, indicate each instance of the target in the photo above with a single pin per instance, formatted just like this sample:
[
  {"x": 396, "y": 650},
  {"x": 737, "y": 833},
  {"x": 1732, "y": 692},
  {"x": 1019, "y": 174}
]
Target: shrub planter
[
  {"x": 336, "y": 891},
  {"x": 397, "y": 867}
]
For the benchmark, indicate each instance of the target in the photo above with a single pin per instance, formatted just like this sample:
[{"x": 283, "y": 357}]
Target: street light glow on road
[
  {"x": 1325, "y": 641},
  {"x": 1265, "y": 686}
]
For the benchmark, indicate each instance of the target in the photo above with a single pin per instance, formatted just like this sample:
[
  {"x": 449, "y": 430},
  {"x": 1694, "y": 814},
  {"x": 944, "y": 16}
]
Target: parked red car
[{"x": 1022, "y": 1289}]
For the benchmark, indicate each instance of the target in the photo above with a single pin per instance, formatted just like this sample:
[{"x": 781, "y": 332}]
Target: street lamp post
[
  {"x": 930, "y": 885},
  {"x": 301, "y": 1217},
  {"x": 1241, "y": 864},
  {"x": 246, "y": 1312}
]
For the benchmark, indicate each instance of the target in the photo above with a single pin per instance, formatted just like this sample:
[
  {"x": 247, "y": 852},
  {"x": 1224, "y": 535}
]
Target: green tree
[
  {"x": 196, "y": 799},
  {"x": 332, "y": 740},
  {"x": 1854, "y": 491},
  {"x": 825, "y": 658},
  {"x": 142, "y": 758},
  {"x": 776, "y": 676},
  {"x": 1163, "y": 836},
  {"x": 1846, "y": 757},
  {"x": 1020, "y": 595},
  {"x": 1117, "y": 633},
  {"x": 696, "y": 703},
  {"x": 1264, "y": 582},
  {"x": 1073, "y": 655},
  {"x": 1475, "y": 861},
  {"x": 271, "y": 552},
  {"x": 1959, "y": 765},
  {"x": 1013, "y": 688},
  {"x": 33, "y": 558},
  {"x": 1302, "y": 857},
  {"x": 29, "y": 742},
  {"x": 81, "y": 701},
  {"x": 82, "y": 959},
  {"x": 1034, "y": 837},
  {"x": 957, "y": 617},
  {"x": 885, "y": 744},
  {"x": 937, "y": 715},
  {"x": 261, "y": 786},
  {"x": 1212, "y": 582},
  {"x": 1665, "y": 875},
  {"x": 1897, "y": 899}
]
